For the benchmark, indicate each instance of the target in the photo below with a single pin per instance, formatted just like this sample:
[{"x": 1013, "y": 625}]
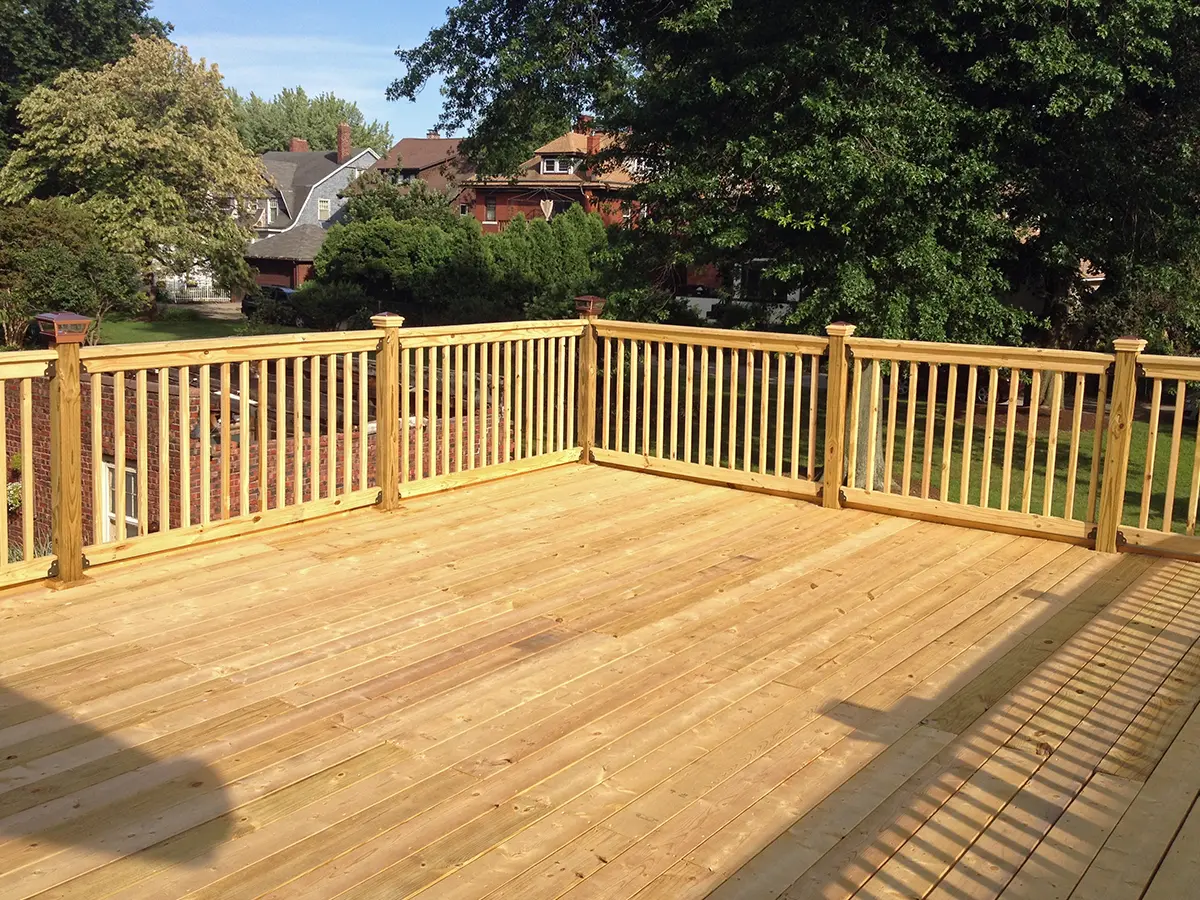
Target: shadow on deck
[{"x": 590, "y": 683}]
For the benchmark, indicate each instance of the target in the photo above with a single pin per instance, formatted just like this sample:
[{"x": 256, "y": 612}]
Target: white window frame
[
  {"x": 132, "y": 526},
  {"x": 489, "y": 211},
  {"x": 464, "y": 209},
  {"x": 272, "y": 211},
  {"x": 324, "y": 209},
  {"x": 556, "y": 165}
]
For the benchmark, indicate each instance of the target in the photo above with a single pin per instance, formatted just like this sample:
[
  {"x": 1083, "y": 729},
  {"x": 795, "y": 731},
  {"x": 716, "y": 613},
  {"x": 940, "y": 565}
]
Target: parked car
[{"x": 275, "y": 304}]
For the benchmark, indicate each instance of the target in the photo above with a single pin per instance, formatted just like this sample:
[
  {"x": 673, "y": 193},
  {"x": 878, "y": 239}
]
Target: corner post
[
  {"x": 387, "y": 410},
  {"x": 1116, "y": 451},
  {"x": 66, "y": 333},
  {"x": 835, "y": 415},
  {"x": 585, "y": 409}
]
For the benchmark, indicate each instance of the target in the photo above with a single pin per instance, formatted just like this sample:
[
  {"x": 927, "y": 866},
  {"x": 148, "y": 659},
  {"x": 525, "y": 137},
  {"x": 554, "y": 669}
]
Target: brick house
[{"x": 303, "y": 201}]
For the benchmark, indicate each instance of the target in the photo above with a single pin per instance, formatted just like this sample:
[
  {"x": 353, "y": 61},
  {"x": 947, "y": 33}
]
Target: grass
[
  {"x": 718, "y": 450},
  {"x": 179, "y": 324}
]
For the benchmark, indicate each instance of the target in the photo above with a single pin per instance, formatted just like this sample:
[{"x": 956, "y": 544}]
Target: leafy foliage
[
  {"x": 41, "y": 38},
  {"x": 270, "y": 124},
  {"x": 146, "y": 145},
  {"x": 54, "y": 249},
  {"x": 373, "y": 195},
  {"x": 907, "y": 168}
]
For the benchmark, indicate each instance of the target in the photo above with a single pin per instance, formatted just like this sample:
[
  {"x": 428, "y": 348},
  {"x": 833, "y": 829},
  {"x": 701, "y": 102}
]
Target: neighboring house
[
  {"x": 548, "y": 183},
  {"x": 301, "y": 204}
]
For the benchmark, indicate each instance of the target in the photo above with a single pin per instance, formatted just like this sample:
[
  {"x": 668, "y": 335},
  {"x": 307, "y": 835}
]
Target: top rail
[
  {"x": 26, "y": 363},
  {"x": 1035, "y": 358},
  {"x": 1184, "y": 368},
  {"x": 450, "y": 335},
  {"x": 711, "y": 337},
  {"x": 128, "y": 357}
]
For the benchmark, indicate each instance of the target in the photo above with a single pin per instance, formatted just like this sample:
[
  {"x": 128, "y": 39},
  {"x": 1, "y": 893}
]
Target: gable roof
[
  {"x": 295, "y": 174},
  {"x": 434, "y": 160},
  {"x": 572, "y": 143},
  {"x": 299, "y": 244}
]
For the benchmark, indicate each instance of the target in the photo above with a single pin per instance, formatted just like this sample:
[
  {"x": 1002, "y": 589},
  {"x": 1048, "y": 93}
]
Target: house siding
[{"x": 329, "y": 190}]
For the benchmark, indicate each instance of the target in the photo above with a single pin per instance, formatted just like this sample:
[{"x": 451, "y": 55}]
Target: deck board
[{"x": 586, "y": 682}]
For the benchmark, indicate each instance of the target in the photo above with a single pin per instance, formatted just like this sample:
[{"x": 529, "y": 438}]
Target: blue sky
[{"x": 265, "y": 45}]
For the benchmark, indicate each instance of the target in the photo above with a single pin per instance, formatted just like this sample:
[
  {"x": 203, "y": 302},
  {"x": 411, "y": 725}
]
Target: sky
[{"x": 266, "y": 45}]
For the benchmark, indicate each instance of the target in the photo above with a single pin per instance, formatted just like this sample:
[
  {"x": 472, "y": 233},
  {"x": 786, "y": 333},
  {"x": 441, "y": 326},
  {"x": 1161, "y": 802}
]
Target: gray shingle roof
[
  {"x": 295, "y": 174},
  {"x": 299, "y": 244}
]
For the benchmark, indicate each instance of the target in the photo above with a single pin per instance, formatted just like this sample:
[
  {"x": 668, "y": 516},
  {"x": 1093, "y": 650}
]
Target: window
[
  {"x": 132, "y": 529},
  {"x": 552, "y": 165},
  {"x": 272, "y": 211},
  {"x": 627, "y": 213},
  {"x": 489, "y": 211},
  {"x": 463, "y": 209},
  {"x": 323, "y": 209}
]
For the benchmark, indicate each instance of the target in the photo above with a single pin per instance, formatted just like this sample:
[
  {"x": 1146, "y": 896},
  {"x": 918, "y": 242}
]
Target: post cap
[
  {"x": 387, "y": 320},
  {"x": 839, "y": 329},
  {"x": 1129, "y": 345},
  {"x": 63, "y": 327},
  {"x": 589, "y": 306}
]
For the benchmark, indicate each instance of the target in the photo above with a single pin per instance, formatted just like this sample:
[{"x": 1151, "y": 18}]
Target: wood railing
[{"x": 131, "y": 449}]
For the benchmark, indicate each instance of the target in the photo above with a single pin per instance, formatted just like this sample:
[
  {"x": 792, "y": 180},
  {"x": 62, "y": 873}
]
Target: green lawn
[{"x": 178, "y": 324}]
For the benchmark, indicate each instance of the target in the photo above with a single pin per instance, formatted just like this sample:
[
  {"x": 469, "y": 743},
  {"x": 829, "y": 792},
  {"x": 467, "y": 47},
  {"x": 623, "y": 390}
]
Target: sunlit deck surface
[{"x": 605, "y": 684}]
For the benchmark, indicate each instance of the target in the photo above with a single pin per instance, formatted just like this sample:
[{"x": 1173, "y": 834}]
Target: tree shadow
[{"x": 68, "y": 784}]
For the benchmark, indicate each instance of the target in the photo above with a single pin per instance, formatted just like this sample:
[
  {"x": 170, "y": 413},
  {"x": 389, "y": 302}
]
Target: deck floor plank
[{"x": 585, "y": 682}]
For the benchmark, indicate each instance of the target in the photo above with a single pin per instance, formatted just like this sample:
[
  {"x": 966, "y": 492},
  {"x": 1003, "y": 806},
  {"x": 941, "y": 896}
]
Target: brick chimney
[
  {"x": 297, "y": 145},
  {"x": 343, "y": 143},
  {"x": 593, "y": 143},
  {"x": 432, "y": 133}
]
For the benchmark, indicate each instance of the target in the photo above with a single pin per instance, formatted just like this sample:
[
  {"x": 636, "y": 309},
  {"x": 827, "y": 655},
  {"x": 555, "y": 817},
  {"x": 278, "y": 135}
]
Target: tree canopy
[
  {"x": 147, "y": 146},
  {"x": 41, "y": 38},
  {"x": 270, "y": 124},
  {"x": 908, "y": 168}
]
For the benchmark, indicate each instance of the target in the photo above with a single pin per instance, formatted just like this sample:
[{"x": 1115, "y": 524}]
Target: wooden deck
[{"x": 595, "y": 683}]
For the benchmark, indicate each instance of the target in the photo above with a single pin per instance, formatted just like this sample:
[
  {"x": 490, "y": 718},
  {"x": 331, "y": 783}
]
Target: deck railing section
[
  {"x": 730, "y": 407},
  {"x": 225, "y": 436},
  {"x": 481, "y": 401},
  {"x": 194, "y": 440},
  {"x": 26, "y": 549},
  {"x": 1000, "y": 437}
]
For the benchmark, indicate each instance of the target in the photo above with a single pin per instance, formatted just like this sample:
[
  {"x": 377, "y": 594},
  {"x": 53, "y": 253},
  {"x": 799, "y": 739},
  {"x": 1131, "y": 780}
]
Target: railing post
[
  {"x": 835, "y": 415},
  {"x": 1116, "y": 451},
  {"x": 387, "y": 412},
  {"x": 66, "y": 332},
  {"x": 588, "y": 308}
]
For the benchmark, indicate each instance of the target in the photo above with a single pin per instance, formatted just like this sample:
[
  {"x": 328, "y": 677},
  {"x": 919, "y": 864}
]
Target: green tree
[
  {"x": 270, "y": 124},
  {"x": 146, "y": 145},
  {"x": 373, "y": 195},
  {"x": 907, "y": 168},
  {"x": 41, "y": 38},
  {"x": 54, "y": 256}
]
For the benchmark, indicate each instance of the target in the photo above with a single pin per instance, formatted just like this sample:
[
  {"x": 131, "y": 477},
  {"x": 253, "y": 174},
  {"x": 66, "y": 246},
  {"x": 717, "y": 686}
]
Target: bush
[{"x": 335, "y": 305}]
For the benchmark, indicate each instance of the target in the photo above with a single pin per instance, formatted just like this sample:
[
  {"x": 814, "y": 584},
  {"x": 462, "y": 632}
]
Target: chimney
[
  {"x": 343, "y": 143},
  {"x": 432, "y": 133},
  {"x": 593, "y": 143},
  {"x": 297, "y": 145},
  {"x": 583, "y": 125}
]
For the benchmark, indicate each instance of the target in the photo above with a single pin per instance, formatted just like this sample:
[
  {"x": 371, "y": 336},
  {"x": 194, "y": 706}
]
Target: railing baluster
[
  {"x": 606, "y": 418},
  {"x": 964, "y": 478},
  {"x": 646, "y": 354},
  {"x": 1031, "y": 430},
  {"x": 660, "y": 366},
  {"x": 298, "y": 441},
  {"x": 419, "y": 417},
  {"x": 856, "y": 366},
  {"x": 164, "y": 450},
  {"x": 930, "y": 430},
  {"x": 989, "y": 438},
  {"x": 226, "y": 440},
  {"x": 675, "y": 405},
  {"x": 1151, "y": 450},
  {"x": 748, "y": 414},
  {"x": 243, "y": 440},
  {"x": 780, "y": 381},
  {"x": 522, "y": 449},
  {"x": 1173, "y": 464},
  {"x": 542, "y": 424},
  {"x": 264, "y": 392},
  {"x": 872, "y": 424},
  {"x": 1056, "y": 392},
  {"x": 812, "y": 417},
  {"x": 472, "y": 438},
  {"x": 97, "y": 459},
  {"x": 495, "y": 404},
  {"x": 910, "y": 430},
  {"x": 363, "y": 389},
  {"x": 948, "y": 435},
  {"x": 203, "y": 433},
  {"x": 1097, "y": 446},
  {"x": 718, "y": 405},
  {"x": 633, "y": 395},
  {"x": 406, "y": 413},
  {"x": 347, "y": 423},
  {"x": 1073, "y": 458},
  {"x": 889, "y": 451},
  {"x": 797, "y": 411},
  {"x": 281, "y": 432},
  {"x": 185, "y": 445},
  {"x": 95, "y": 462},
  {"x": 702, "y": 449},
  {"x": 1193, "y": 494},
  {"x": 733, "y": 407},
  {"x": 431, "y": 410},
  {"x": 1010, "y": 430},
  {"x": 314, "y": 433},
  {"x": 764, "y": 398},
  {"x": 27, "y": 465},
  {"x": 620, "y": 420},
  {"x": 509, "y": 452}
]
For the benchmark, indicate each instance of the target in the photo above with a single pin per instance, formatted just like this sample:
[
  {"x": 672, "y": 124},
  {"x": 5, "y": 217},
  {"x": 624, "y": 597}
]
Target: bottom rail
[
  {"x": 1158, "y": 543},
  {"x": 489, "y": 473},
  {"x": 778, "y": 485},
  {"x": 971, "y": 516}
]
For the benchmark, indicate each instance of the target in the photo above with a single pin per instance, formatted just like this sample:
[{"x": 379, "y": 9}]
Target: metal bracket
[
  {"x": 379, "y": 498},
  {"x": 1121, "y": 541},
  {"x": 87, "y": 563},
  {"x": 52, "y": 572},
  {"x": 50, "y": 370},
  {"x": 1091, "y": 535},
  {"x": 842, "y": 496}
]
